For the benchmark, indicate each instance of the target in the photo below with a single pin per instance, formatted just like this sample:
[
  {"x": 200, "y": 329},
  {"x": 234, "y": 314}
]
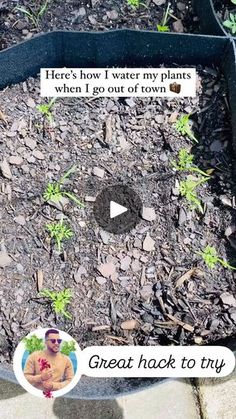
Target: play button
[{"x": 117, "y": 209}]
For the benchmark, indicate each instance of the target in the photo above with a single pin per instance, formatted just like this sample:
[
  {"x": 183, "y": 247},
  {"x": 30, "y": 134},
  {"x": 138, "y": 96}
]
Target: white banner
[{"x": 118, "y": 82}]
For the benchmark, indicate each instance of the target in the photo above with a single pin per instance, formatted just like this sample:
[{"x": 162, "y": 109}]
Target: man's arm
[
  {"x": 29, "y": 371},
  {"x": 68, "y": 375}
]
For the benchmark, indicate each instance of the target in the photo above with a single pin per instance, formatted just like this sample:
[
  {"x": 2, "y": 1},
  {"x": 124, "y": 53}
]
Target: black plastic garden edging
[
  {"x": 208, "y": 19},
  {"x": 123, "y": 48}
]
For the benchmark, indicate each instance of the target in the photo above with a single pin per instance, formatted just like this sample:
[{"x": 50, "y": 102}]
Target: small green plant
[
  {"x": 182, "y": 126},
  {"x": 163, "y": 27},
  {"x": 54, "y": 190},
  {"x": 68, "y": 347},
  {"x": 34, "y": 15},
  {"x": 187, "y": 188},
  {"x": 233, "y": 1},
  {"x": 210, "y": 257},
  {"x": 185, "y": 163},
  {"x": 59, "y": 299},
  {"x": 46, "y": 109},
  {"x": 135, "y": 4},
  {"x": 33, "y": 343},
  {"x": 231, "y": 23},
  {"x": 59, "y": 232}
]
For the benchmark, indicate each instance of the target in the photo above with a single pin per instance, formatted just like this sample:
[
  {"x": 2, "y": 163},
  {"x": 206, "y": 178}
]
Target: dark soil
[
  {"x": 223, "y": 9},
  {"x": 90, "y": 15},
  {"x": 138, "y": 284}
]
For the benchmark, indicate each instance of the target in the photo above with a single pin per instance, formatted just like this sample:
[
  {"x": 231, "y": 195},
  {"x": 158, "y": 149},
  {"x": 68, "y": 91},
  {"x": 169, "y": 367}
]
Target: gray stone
[
  {"x": 148, "y": 243},
  {"x": 97, "y": 171},
  {"x": 148, "y": 214}
]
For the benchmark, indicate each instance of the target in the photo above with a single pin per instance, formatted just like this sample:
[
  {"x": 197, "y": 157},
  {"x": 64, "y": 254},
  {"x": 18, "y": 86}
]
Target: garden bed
[
  {"x": 225, "y": 11},
  {"x": 117, "y": 278},
  {"x": 94, "y": 15}
]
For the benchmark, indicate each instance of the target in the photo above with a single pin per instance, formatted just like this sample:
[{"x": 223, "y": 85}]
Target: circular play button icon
[{"x": 117, "y": 209}]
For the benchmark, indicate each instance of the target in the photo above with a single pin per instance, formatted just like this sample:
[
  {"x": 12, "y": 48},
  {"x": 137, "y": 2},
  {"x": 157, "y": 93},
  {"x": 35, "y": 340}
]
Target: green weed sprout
[
  {"x": 231, "y": 23},
  {"x": 59, "y": 299},
  {"x": 187, "y": 188},
  {"x": 182, "y": 126},
  {"x": 34, "y": 16},
  {"x": 68, "y": 347},
  {"x": 185, "y": 163},
  {"x": 46, "y": 109},
  {"x": 210, "y": 257},
  {"x": 59, "y": 232},
  {"x": 163, "y": 27},
  {"x": 135, "y": 4},
  {"x": 33, "y": 343},
  {"x": 54, "y": 190}
]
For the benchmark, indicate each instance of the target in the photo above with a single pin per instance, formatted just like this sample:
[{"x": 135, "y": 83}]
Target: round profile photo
[{"x": 46, "y": 363}]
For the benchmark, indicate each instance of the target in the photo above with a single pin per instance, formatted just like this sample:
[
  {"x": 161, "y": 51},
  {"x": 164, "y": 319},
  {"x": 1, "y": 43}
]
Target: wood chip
[
  {"x": 3, "y": 117},
  {"x": 188, "y": 275},
  {"x": 39, "y": 278},
  {"x": 143, "y": 276},
  {"x": 185, "y": 326},
  {"x": 102, "y": 327},
  {"x": 129, "y": 324},
  {"x": 118, "y": 338},
  {"x": 5, "y": 169},
  {"x": 108, "y": 131}
]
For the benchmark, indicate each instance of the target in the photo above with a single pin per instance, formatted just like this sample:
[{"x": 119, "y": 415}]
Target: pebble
[
  {"x": 148, "y": 243},
  {"x": 5, "y": 259},
  {"x": 106, "y": 269},
  {"x": 20, "y": 268},
  {"x": 230, "y": 230},
  {"x": 20, "y": 219},
  {"x": 182, "y": 216},
  {"x": 38, "y": 155},
  {"x": 125, "y": 263},
  {"x": 159, "y": 2},
  {"x": 79, "y": 273},
  {"x": 159, "y": 118},
  {"x": 181, "y": 6},
  {"x": 113, "y": 15},
  {"x": 5, "y": 169},
  {"x": 90, "y": 198},
  {"x": 135, "y": 266},
  {"x": 97, "y": 171},
  {"x": 31, "y": 159},
  {"x": 163, "y": 157},
  {"x": 101, "y": 280},
  {"x": 29, "y": 142},
  {"x": 129, "y": 324},
  {"x": 137, "y": 243},
  {"x": 146, "y": 292},
  {"x": 15, "y": 160},
  {"x": 216, "y": 146},
  {"x": 178, "y": 26},
  {"x": 105, "y": 236},
  {"x": 228, "y": 299},
  {"x": 81, "y": 12},
  {"x": 92, "y": 20},
  {"x": 148, "y": 214},
  {"x": 30, "y": 103},
  {"x": 130, "y": 102}
]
